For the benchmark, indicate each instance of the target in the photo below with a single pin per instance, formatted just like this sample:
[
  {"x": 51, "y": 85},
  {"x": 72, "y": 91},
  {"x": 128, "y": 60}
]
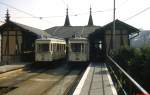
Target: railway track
[
  {"x": 59, "y": 80},
  {"x": 6, "y": 74},
  {"x": 70, "y": 89},
  {"x": 66, "y": 84},
  {"x": 10, "y": 79},
  {"x": 42, "y": 82}
]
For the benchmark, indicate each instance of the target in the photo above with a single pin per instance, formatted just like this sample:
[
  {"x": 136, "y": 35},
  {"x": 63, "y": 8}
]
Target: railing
[{"x": 124, "y": 83}]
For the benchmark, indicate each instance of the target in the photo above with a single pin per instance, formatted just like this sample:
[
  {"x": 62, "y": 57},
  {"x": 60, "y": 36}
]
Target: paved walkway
[
  {"x": 96, "y": 81},
  {"x": 10, "y": 67}
]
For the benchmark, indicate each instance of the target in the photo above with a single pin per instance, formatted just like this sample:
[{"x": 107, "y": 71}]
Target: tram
[
  {"x": 49, "y": 49},
  {"x": 78, "y": 50}
]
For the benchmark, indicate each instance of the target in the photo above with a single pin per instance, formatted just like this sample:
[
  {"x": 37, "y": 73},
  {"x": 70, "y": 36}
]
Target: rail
[{"x": 124, "y": 83}]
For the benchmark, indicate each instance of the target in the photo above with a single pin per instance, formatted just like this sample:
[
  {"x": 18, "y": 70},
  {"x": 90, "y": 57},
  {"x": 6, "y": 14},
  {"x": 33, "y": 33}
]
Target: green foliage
[
  {"x": 125, "y": 56},
  {"x": 136, "y": 62}
]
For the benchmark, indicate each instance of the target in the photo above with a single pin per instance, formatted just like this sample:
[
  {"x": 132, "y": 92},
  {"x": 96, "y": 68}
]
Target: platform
[
  {"x": 10, "y": 67},
  {"x": 96, "y": 81}
]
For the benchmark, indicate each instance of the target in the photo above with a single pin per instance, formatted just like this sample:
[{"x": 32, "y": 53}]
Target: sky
[{"x": 44, "y": 14}]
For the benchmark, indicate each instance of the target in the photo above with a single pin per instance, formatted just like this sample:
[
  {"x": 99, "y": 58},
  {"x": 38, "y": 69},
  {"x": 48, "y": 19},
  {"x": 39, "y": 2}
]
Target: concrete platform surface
[
  {"x": 96, "y": 81},
  {"x": 10, "y": 67}
]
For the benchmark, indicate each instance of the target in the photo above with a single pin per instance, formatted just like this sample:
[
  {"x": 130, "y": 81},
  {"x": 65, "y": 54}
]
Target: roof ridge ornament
[
  {"x": 7, "y": 16},
  {"x": 90, "y": 22},
  {"x": 67, "y": 21}
]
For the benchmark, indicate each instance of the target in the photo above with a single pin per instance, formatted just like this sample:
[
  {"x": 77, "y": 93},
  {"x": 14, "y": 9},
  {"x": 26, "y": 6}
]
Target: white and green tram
[
  {"x": 78, "y": 50},
  {"x": 49, "y": 49}
]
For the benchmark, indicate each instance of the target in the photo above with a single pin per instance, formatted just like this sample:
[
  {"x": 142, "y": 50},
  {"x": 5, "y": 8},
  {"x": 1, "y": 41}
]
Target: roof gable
[
  {"x": 33, "y": 30},
  {"x": 120, "y": 25}
]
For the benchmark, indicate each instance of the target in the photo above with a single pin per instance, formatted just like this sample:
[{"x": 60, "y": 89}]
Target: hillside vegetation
[{"x": 136, "y": 61}]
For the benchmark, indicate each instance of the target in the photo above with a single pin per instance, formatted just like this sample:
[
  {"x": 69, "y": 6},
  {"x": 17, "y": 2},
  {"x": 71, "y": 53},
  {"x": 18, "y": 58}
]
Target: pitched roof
[
  {"x": 30, "y": 29},
  {"x": 120, "y": 25},
  {"x": 69, "y": 32}
]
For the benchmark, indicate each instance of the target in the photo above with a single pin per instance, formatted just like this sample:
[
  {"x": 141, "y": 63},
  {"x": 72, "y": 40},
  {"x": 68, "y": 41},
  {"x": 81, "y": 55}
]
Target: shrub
[{"x": 136, "y": 62}]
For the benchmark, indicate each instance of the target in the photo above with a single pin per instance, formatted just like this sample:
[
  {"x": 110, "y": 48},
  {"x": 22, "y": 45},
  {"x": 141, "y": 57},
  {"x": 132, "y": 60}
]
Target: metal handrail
[{"x": 144, "y": 92}]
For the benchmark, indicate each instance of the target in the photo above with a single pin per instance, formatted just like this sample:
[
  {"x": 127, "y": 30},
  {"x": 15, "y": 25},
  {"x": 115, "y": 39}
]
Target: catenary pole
[{"x": 114, "y": 26}]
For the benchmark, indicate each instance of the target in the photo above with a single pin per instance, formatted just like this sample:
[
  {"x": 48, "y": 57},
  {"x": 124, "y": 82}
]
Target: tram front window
[
  {"x": 43, "y": 47},
  {"x": 76, "y": 47}
]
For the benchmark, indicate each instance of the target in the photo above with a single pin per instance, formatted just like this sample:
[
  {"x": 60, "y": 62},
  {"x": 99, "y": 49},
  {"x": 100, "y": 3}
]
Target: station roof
[
  {"x": 68, "y": 31},
  {"x": 120, "y": 25},
  {"x": 36, "y": 31},
  {"x": 85, "y": 31},
  {"x": 31, "y": 29},
  {"x": 71, "y": 31}
]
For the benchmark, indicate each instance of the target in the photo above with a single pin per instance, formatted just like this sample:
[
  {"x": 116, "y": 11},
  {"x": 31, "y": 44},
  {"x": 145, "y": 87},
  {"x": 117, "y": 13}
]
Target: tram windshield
[
  {"x": 42, "y": 47},
  {"x": 76, "y": 47}
]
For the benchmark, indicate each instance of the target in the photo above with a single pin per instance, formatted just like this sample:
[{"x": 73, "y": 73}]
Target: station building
[
  {"x": 17, "y": 40},
  {"x": 100, "y": 37}
]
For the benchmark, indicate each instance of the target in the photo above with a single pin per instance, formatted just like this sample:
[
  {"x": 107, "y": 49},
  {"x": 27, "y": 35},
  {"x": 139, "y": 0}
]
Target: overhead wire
[
  {"x": 33, "y": 16},
  {"x": 18, "y": 9},
  {"x": 107, "y": 10},
  {"x": 137, "y": 13},
  {"x": 117, "y": 8},
  {"x": 42, "y": 18},
  {"x": 123, "y": 3},
  {"x": 77, "y": 14}
]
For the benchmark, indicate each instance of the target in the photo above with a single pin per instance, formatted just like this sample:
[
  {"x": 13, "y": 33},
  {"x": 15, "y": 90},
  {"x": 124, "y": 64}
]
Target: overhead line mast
[{"x": 114, "y": 26}]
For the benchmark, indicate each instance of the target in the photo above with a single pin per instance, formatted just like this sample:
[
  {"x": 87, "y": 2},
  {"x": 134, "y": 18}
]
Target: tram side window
[
  {"x": 43, "y": 47},
  {"x": 76, "y": 47}
]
